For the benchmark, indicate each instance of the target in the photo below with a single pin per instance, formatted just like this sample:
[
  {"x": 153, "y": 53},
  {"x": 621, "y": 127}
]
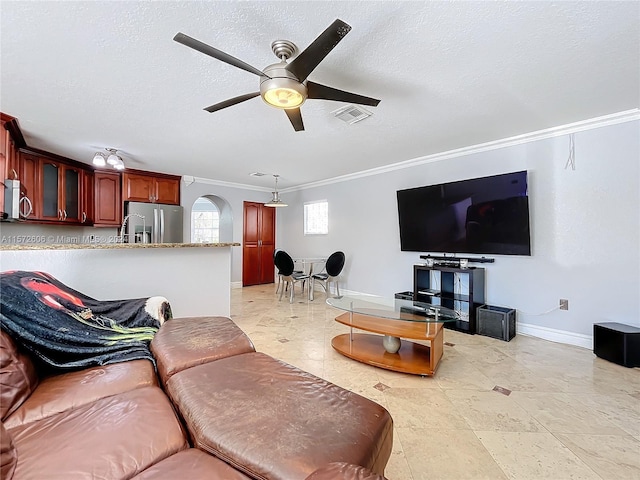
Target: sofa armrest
[{"x": 344, "y": 471}]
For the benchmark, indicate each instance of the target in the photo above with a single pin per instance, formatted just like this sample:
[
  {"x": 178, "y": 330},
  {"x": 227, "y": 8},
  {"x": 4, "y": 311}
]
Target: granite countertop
[{"x": 109, "y": 246}]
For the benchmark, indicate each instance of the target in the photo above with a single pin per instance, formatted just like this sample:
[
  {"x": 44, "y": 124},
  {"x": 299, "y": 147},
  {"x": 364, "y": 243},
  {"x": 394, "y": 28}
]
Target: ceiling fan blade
[
  {"x": 231, "y": 102},
  {"x": 215, "y": 53},
  {"x": 303, "y": 64},
  {"x": 323, "y": 92},
  {"x": 296, "y": 118}
]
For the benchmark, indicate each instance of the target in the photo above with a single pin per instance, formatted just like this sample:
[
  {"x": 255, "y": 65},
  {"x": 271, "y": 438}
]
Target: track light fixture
[{"x": 113, "y": 159}]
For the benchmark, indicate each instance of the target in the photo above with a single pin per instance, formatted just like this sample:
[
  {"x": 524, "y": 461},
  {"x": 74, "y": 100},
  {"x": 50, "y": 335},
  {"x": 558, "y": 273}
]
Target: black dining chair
[
  {"x": 279, "y": 275},
  {"x": 332, "y": 269},
  {"x": 284, "y": 264}
]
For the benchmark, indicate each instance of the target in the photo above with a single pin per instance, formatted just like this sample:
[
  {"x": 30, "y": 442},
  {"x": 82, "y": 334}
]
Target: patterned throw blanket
[{"x": 67, "y": 330}]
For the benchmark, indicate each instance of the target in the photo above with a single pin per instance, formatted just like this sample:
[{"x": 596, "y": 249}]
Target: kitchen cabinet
[
  {"x": 150, "y": 188},
  {"x": 61, "y": 192},
  {"x": 28, "y": 174},
  {"x": 107, "y": 199},
  {"x": 258, "y": 244},
  {"x": 10, "y": 140},
  {"x": 87, "y": 204}
]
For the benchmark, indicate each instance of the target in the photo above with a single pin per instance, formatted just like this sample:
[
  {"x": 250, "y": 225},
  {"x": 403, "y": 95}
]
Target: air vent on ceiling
[
  {"x": 257, "y": 174},
  {"x": 351, "y": 114}
]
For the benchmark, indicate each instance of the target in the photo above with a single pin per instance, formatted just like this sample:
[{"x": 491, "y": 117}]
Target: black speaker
[
  {"x": 496, "y": 322},
  {"x": 617, "y": 343}
]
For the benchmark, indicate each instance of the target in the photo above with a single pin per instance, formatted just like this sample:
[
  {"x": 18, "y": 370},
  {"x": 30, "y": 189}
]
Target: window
[
  {"x": 316, "y": 218},
  {"x": 205, "y": 222}
]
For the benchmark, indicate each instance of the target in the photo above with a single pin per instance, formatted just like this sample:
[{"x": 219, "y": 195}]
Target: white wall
[
  {"x": 195, "y": 280},
  {"x": 585, "y": 230}
]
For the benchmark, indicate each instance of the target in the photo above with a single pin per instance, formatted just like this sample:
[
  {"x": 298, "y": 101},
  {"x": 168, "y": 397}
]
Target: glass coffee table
[{"x": 395, "y": 320}]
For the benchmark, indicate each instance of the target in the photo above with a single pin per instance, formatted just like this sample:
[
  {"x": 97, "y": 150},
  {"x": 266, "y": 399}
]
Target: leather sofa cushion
[
  {"x": 185, "y": 342},
  {"x": 71, "y": 390},
  {"x": 112, "y": 438},
  {"x": 8, "y": 454},
  {"x": 344, "y": 471},
  {"x": 272, "y": 420},
  {"x": 191, "y": 464},
  {"x": 18, "y": 377}
]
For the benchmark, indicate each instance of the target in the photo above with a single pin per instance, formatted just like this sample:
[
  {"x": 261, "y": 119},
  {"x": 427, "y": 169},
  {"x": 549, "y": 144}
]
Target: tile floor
[{"x": 525, "y": 409}]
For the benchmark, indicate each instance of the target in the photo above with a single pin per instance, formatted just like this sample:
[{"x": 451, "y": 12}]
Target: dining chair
[
  {"x": 332, "y": 269},
  {"x": 285, "y": 264},
  {"x": 279, "y": 274}
]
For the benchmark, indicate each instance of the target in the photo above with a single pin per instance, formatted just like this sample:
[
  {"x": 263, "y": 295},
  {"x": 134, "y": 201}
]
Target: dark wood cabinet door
[
  {"x": 258, "y": 244},
  {"x": 71, "y": 194},
  {"x": 138, "y": 188},
  {"x": 87, "y": 213},
  {"x": 167, "y": 191},
  {"x": 51, "y": 204},
  {"x": 29, "y": 176},
  {"x": 107, "y": 199}
]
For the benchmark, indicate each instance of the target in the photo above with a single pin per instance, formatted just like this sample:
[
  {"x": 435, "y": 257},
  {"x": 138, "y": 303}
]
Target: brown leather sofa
[{"x": 214, "y": 409}]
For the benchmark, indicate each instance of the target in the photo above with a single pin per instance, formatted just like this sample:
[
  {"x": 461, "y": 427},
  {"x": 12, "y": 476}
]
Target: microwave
[{"x": 17, "y": 205}]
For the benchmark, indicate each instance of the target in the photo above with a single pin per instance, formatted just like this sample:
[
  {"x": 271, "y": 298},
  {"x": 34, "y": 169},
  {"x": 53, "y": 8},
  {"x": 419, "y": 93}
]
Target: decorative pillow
[
  {"x": 8, "y": 454},
  {"x": 18, "y": 377}
]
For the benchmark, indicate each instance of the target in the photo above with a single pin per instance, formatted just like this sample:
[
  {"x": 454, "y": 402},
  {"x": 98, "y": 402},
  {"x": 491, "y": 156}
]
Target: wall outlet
[{"x": 564, "y": 304}]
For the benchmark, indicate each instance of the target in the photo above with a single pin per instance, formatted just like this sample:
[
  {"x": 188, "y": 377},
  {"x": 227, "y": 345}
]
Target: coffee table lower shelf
[{"x": 412, "y": 358}]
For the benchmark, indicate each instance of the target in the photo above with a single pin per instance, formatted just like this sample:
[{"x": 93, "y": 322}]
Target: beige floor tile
[
  {"x": 527, "y": 455},
  {"x": 492, "y": 411},
  {"x": 612, "y": 457},
  {"x": 622, "y": 411},
  {"x": 419, "y": 408},
  {"x": 565, "y": 413},
  {"x": 398, "y": 467},
  {"x": 435, "y": 454}
]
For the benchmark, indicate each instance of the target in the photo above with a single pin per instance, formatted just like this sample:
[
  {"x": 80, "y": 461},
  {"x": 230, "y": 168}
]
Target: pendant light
[
  {"x": 275, "y": 200},
  {"x": 113, "y": 159}
]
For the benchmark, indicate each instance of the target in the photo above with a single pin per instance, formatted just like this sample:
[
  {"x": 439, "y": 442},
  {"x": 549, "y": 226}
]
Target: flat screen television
[{"x": 488, "y": 215}]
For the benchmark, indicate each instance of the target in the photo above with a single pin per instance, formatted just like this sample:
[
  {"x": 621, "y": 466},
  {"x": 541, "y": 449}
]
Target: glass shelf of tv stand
[
  {"x": 426, "y": 294},
  {"x": 394, "y": 309}
]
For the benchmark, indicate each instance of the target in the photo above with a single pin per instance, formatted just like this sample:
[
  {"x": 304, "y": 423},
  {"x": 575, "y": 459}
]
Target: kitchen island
[{"x": 194, "y": 277}]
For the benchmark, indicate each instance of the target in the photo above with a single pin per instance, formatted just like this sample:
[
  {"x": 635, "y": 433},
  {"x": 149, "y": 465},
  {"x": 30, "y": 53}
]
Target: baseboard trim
[
  {"x": 236, "y": 284},
  {"x": 554, "y": 335}
]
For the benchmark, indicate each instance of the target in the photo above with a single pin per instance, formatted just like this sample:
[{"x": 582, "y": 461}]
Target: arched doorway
[{"x": 211, "y": 220}]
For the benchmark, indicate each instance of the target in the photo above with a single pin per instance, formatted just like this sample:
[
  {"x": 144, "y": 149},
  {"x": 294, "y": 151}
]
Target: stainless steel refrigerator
[{"x": 153, "y": 223}]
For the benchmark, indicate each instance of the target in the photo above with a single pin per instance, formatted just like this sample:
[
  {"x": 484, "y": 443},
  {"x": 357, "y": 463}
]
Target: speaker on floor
[{"x": 496, "y": 322}]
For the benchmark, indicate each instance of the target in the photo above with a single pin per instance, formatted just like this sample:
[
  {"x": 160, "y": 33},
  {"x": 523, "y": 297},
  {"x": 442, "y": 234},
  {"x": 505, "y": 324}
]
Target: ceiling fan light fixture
[
  {"x": 282, "y": 92},
  {"x": 113, "y": 159}
]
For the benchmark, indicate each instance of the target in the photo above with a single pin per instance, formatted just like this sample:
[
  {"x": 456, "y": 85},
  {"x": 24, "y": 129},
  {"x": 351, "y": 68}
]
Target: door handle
[
  {"x": 64, "y": 214},
  {"x": 23, "y": 213},
  {"x": 84, "y": 217},
  {"x": 161, "y": 226},
  {"x": 156, "y": 222}
]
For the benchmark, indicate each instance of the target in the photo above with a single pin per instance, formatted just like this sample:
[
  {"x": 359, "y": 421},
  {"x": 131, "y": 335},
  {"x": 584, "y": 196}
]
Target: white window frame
[
  {"x": 213, "y": 227},
  {"x": 320, "y": 224}
]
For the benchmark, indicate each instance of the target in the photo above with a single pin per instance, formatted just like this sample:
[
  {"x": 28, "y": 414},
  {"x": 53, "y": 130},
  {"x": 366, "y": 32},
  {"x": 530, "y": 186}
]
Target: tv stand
[
  {"x": 446, "y": 259},
  {"x": 459, "y": 289}
]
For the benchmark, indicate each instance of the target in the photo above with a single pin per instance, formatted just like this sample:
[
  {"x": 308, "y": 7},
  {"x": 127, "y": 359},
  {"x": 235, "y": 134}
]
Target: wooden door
[{"x": 258, "y": 244}]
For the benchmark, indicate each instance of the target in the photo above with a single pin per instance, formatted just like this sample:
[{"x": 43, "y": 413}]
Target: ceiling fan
[{"x": 284, "y": 85}]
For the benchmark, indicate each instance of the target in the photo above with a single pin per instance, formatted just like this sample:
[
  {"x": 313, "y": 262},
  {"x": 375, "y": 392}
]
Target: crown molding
[
  {"x": 589, "y": 124},
  {"x": 221, "y": 183}
]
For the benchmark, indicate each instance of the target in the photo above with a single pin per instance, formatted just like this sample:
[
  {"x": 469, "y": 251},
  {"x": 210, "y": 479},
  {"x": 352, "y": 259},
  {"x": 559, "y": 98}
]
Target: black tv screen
[{"x": 478, "y": 216}]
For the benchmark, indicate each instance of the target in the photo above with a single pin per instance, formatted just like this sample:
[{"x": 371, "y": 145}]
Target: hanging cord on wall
[
  {"x": 571, "y": 161},
  {"x": 538, "y": 314}
]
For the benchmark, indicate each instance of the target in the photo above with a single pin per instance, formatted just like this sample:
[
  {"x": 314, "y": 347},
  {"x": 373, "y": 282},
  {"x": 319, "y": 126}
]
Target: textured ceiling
[{"x": 81, "y": 76}]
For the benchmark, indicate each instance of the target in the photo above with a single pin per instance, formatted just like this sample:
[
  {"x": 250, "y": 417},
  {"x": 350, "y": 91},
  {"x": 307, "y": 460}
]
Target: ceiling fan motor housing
[{"x": 283, "y": 89}]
